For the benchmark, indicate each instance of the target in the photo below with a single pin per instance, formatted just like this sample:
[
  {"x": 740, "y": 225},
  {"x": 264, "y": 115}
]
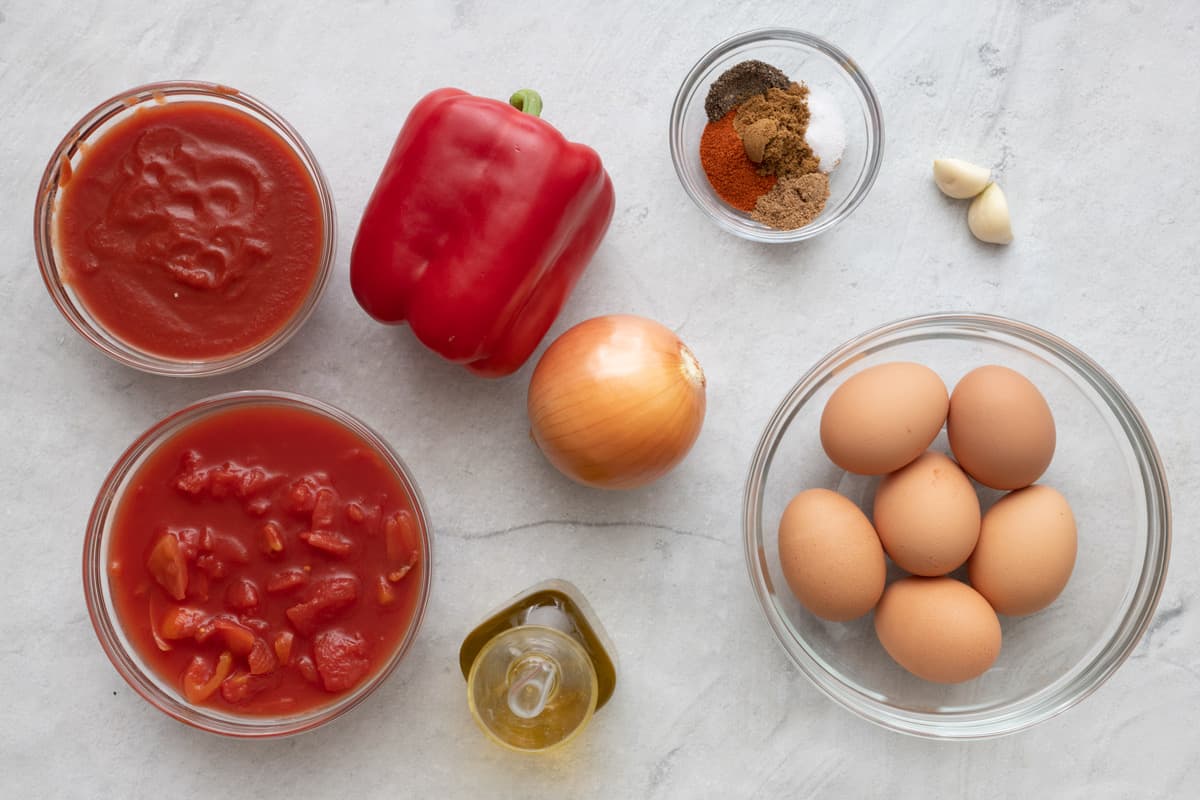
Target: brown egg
[
  {"x": 1026, "y": 551},
  {"x": 938, "y": 629},
  {"x": 1000, "y": 427},
  {"x": 831, "y": 557},
  {"x": 927, "y": 515},
  {"x": 883, "y": 417}
]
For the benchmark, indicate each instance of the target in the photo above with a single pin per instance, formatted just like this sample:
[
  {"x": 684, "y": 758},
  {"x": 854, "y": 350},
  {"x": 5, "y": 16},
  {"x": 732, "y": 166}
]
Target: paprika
[{"x": 733, "y": 176}]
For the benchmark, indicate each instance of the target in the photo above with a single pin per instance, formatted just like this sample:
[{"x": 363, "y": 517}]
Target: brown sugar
[{"x": 787, "y": 152}]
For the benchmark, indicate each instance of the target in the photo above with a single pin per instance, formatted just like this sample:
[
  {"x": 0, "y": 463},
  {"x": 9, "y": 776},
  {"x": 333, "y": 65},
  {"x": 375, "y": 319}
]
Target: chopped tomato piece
[
  {"x": 182, "y": 622},
  {"x": 201, "y": 679},
  {"x": 355, "y": 513},
  {"x": 400, "y": 536},
  {"x": 302, "y": 495},
  {"x": 286, "y": 580},
  {"x": 385, "y": 595},
  {"x": 261, "y": 659},
  {"x": 242, "y": 595},
  {"x": 342, "y": 659},
  {"x": 395, "y": 576},
  {"x": 190, "y": 479},
  {"x": 327, "y": 598},
  {"x": 283, "y": 646},
  {"x": 324, "y": 509},
  {"x": 307, "y": 670},
  {"x": 191, "y": 542},
  {"x": 228, "y": 548},
  {"x": 167, "y": 566},
  {"x": 272, "y": 539},
  {"x": 159, "y": 640},
  {"x": 335, "y": 544},
  {"x": 242, "y": 686},
  {"x": 239, "y": 638},
  {"x": 212, "y": 566},
  {"x": 259, "y": 626}
]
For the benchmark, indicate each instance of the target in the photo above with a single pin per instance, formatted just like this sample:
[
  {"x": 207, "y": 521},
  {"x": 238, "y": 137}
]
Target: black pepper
[{"x": 739, "y": 82}]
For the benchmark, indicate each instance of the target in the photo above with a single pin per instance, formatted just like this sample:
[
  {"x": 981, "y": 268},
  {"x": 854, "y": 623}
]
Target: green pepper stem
[{"x": 527, "y": 101}]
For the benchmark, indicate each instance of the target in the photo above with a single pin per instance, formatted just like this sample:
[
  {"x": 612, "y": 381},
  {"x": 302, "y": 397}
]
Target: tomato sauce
[
  {"x": 264, "y": 560},
  {"x": 190, "y": 230}
]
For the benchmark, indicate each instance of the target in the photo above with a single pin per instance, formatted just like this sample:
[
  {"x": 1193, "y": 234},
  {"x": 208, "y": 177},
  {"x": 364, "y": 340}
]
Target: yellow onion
[{"x": 616, "y": 401}]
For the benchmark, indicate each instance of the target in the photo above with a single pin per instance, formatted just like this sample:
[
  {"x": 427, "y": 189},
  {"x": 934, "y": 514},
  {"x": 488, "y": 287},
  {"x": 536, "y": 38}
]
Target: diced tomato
[
  {"x": 238, "y": 637},
  {"x": 202, "y": 679},
  {"x": 355, "y": 513},
  {"x": 212, "y": 566},
  {"x": 228, "y": 548},
  {"x": 307, "y": 670},
  {"x": 400, "y": 536},
  {"x": 335, "y": 544},
  {"x": 167, "y": 566},
  {"x": 242, "y": 594},
  {"x": 324, "y": 509},
  {"x": 342, "y": 659},
  {"x": 182, "y": 622},
  {"x": 286, "y": 580},
  {"x": 190, "y": 541},
  {"x": 327, "y": 598},
  {"x": 190, "y": 479},
  {"x": 283, "y": 646},
  {"x": 259, "y": 626},
  {"x": 272, "y": 539},
  {"x": 261, "y": 659},
  {"x": 242, "y": 686},
  {"x": 395, "y": 576},
  {"x": 385, "y": 595},
  {"x": 302, "y": 495},
  {"x": 155, "y": 613}
]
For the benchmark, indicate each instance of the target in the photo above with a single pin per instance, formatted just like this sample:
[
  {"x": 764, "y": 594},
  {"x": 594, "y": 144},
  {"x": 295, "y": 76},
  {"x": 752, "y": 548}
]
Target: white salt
[{"x": 826, "y": 129}]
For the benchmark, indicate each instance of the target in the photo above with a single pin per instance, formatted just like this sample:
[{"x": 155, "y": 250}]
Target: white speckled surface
[{"x": 1089, "y": 113}]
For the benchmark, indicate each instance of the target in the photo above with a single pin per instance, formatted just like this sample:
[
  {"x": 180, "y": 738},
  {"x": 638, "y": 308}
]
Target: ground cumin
[
  {"x": 793, "y": 202},
  {"x": 732, "y": 175}
]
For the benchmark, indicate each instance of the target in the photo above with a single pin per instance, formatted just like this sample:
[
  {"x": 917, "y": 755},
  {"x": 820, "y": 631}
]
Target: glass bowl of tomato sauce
[
  {"x": 257, "y": 563},
  {"x": 184, "y": 228}
]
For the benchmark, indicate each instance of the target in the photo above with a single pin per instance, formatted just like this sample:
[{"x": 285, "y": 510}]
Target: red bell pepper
[{"x": 483, "y": 220}]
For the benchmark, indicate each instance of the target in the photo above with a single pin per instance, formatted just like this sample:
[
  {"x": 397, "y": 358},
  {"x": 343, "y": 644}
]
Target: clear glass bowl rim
[
  {"x": 43, "y": 229},
  {"x": 129, "y": 665},
  {"x": 875, "y": 138},
  {"x": 1041, "y": 705}
]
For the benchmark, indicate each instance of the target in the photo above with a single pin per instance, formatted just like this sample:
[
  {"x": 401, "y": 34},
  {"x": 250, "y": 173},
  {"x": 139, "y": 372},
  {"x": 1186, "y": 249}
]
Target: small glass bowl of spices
[{"x": 777, "y": 135}]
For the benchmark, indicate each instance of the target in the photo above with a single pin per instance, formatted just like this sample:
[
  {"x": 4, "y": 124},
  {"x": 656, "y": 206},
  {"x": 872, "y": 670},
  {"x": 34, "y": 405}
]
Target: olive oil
[{"x": 538, "y": 668}]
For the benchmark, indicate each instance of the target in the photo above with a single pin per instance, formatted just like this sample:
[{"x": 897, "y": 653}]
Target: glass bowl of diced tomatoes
[{"x": 257, "y": 564}]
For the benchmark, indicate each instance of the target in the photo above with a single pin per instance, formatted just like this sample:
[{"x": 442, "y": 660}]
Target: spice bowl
[
  {"x": 806, "y": 59},
  {"x": 1105, "y": 462}
]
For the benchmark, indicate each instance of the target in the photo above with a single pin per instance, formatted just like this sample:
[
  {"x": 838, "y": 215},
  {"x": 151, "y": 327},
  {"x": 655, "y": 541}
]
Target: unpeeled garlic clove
[
  {"x": 988, "y": 216},
  {"x": 960, "y": 179}
]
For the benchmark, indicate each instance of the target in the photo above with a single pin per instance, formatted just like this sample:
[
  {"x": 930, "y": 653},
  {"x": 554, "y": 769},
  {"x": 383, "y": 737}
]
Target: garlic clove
[
  {"x": 988, "y": 216},
  {"x": 960, "y": 179}
]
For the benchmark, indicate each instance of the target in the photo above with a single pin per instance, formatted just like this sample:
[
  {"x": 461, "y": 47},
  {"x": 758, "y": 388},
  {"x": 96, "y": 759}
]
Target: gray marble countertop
[{"x": 1089, "y": 113}]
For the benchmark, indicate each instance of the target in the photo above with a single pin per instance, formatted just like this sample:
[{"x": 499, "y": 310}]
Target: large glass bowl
[
  {"x": 804, "y": 58},
  {"x": 1106, "y": 465},
  {"x": 166, "y": 696}
]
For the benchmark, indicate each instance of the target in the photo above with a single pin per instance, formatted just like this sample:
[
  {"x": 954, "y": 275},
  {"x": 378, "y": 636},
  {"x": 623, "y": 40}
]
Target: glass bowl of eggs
[
  {"x": 957, "y": 525},
  {"x": 777, "y": 135}
]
